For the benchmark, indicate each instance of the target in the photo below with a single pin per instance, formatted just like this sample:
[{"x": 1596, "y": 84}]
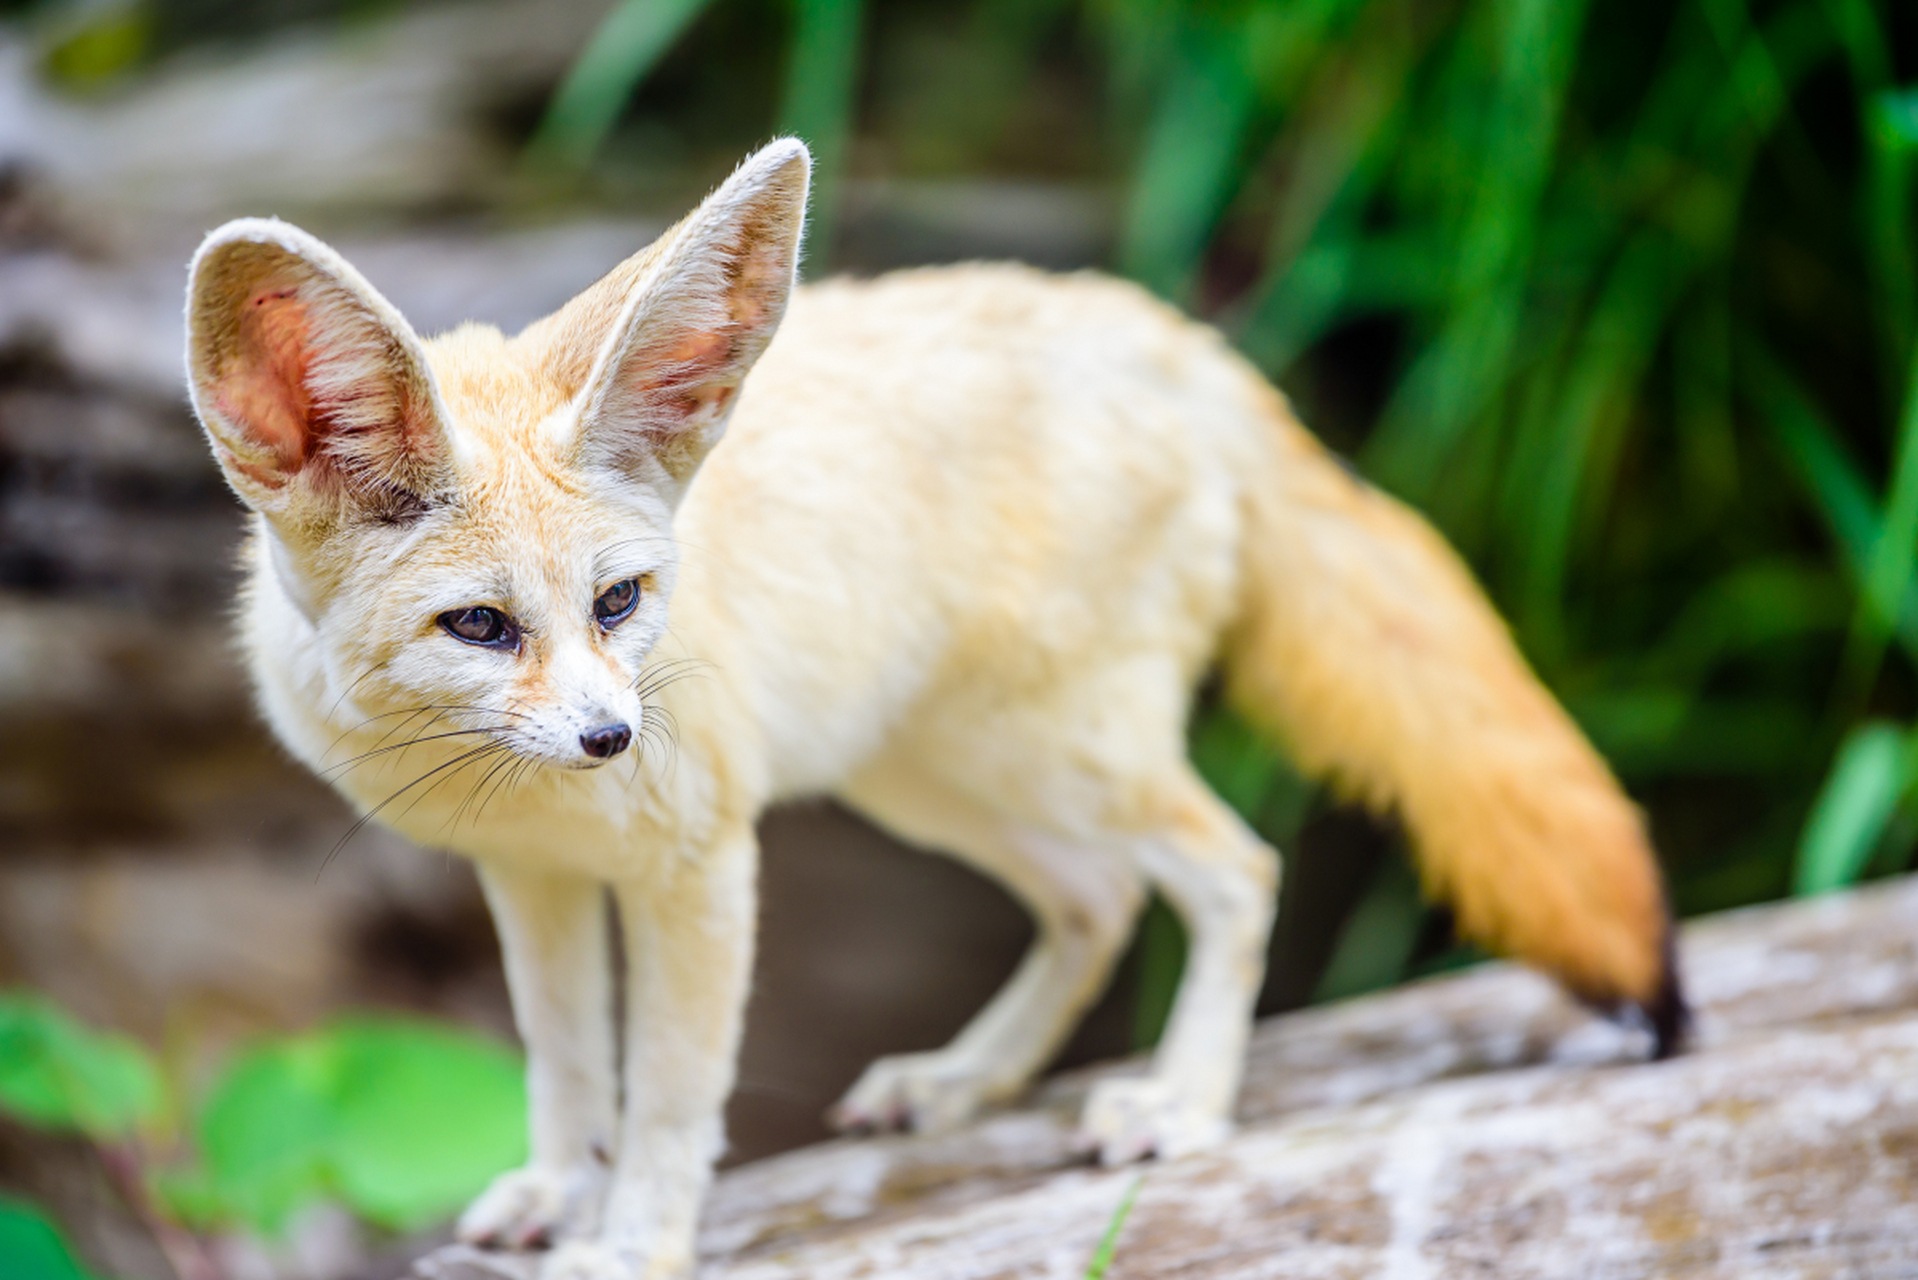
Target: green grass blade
[
  {"x": 822, "y": 82},
  {"x": 1704, "y": 404},
  {"x": 1891, "y": 131},
  {"x": 1889, "y": 572},
  {"x": 1756, "y": 604},
  {"x": 1816, "y": 452},
  {"x": 1672, "y": 732},
  {"x": 1837, "y": 485},
  {"x": 1109, "y": 1242},
  {"x": 1864, "y": 40},
  {"x": 1189, "y": 164},
  {"x": 1578, "y": 434},
  {"x": 1867, "y": 780},
  {"x": 1341, "y": 152},
  {"x": 1507, "y": 170},
  {"x": 628, "y": 44}
]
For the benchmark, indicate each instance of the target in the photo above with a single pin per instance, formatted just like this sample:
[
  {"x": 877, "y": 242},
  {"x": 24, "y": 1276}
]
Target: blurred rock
[
  {"x": 1479, "y": 1125},
  {"x": 394, "y": 114}
]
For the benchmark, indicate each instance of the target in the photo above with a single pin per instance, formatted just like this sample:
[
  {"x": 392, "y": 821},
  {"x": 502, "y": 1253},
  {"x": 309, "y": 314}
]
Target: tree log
[{"x": 1477, "y": 1125}]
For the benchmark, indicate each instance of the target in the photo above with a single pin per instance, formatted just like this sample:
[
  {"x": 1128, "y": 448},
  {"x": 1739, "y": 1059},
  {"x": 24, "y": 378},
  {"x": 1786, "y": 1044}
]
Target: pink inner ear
[
  {"x": 757, "y": 269},
  {"x": 263, "y": 388},
  {"x": 686, "y": 367},
  {"x": 699, "y": 353}
]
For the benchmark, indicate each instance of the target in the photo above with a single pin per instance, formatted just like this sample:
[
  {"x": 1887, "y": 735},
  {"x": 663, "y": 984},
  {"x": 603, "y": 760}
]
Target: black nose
[{"x": 606, "y": 741}]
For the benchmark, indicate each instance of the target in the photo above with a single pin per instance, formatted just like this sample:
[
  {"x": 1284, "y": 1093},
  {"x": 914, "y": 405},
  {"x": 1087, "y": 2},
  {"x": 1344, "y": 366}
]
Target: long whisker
[
  {"x": 459, "y": 810},
  {"x": 347, "y": 692},
  {"x": 433, "y": 717},
  {"x": 526, "y": 767},
  {"x": 377, "y": 809},
  {"x": 662, "y": 734},
  {"x": 656, "y": 678},
  {"x": 513, "y": 765},
  {"x": 658, "y": 669},
  {"x": 480, "y": 754},
  {"x": 411, "y": 713},
  {"x": 333, "y": 772}
]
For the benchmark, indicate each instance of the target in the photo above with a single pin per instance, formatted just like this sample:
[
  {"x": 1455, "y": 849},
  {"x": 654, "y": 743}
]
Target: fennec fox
[{"x": 976, "y": 535}]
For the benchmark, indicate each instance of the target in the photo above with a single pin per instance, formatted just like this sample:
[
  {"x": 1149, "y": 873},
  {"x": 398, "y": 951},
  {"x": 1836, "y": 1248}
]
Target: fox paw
[
  {"x": 532, "y": 1208},
  {"x": 1129, "y": 1119},
  {"x": 594, "y": 1260},
  {"x": 914, "y": 1092}
]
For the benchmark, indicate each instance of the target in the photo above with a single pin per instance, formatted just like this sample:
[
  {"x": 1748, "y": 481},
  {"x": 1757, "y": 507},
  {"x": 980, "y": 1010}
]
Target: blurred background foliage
[
  {"x": 400, "y": 1121},
  {"x": 1625, "y": 297}
]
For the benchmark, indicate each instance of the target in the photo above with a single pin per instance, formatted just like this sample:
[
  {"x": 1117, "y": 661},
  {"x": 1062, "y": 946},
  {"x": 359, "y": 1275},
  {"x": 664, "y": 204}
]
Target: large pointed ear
[
  {"x": 313, "y": 390},
  {"x": 703, "y": 304}
]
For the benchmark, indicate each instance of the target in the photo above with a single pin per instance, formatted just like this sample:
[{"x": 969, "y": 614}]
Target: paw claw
[
  {"x": 912, "y": 1093},
  {"x": 532, "y": 1208},
  {"x": 1131, "y": 1119}
]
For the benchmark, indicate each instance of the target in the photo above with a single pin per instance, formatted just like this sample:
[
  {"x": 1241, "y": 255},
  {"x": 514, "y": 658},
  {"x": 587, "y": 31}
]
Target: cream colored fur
[{"x": 972, "y": 538}]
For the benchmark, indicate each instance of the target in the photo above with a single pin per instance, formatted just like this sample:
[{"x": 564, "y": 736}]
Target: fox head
[{"x": 479, "y": 528}]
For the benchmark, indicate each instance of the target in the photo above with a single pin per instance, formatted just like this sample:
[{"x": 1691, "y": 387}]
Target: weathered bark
[{"x": 1479, "y": 1125}]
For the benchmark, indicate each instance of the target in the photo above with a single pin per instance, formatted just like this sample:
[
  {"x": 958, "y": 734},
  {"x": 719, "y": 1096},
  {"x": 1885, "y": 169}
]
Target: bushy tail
[{"x": 1366, "y": 646}]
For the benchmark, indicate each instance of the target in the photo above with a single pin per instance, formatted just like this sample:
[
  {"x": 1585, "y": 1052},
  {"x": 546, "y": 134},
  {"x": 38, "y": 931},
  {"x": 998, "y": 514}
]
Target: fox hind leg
[
  {"x": 1222, "y": 882},
  {"x": 1084, "y": 900}
]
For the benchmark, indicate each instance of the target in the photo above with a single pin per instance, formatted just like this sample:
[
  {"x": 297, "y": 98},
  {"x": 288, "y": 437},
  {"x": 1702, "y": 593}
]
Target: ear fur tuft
[
  {"x": 703, "y": 303},
  {"x": 311, "y": 387}
]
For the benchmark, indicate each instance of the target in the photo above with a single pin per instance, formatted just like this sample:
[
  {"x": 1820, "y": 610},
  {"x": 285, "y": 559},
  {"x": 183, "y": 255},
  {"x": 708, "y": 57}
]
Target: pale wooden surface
[{"x": 1474, "y": 1126}]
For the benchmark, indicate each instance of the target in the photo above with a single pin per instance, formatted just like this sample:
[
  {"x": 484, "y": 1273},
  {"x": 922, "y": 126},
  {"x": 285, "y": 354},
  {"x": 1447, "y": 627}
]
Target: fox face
[
  {"x": 516, "y": 609},
  {"x": 477, "y": 527}
]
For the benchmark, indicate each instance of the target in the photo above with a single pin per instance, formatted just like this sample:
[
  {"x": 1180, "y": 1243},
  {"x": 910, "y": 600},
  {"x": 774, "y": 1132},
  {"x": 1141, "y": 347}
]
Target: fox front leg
[
  {"x": 552, "y": 931},
  {"x": 689, "y": 948}
]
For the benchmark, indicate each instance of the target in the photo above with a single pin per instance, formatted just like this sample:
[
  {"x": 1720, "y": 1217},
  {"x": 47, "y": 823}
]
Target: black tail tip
[{"x": 1666, "y": 1013}]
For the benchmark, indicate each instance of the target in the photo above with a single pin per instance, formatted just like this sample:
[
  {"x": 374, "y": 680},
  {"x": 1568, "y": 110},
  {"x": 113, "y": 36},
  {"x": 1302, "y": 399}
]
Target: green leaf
[
  {"x": 32, "y": 1247},
  {"x": 404, "y": 1122},
  {"x": 59, "y": 1074},
  {"x": 1849, "y": 817}
]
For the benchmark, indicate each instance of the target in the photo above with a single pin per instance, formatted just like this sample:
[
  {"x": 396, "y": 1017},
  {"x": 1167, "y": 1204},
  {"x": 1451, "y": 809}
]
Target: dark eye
[
  {"x": 488, "y": 628},
  {"x": 616, "y": 602}
]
